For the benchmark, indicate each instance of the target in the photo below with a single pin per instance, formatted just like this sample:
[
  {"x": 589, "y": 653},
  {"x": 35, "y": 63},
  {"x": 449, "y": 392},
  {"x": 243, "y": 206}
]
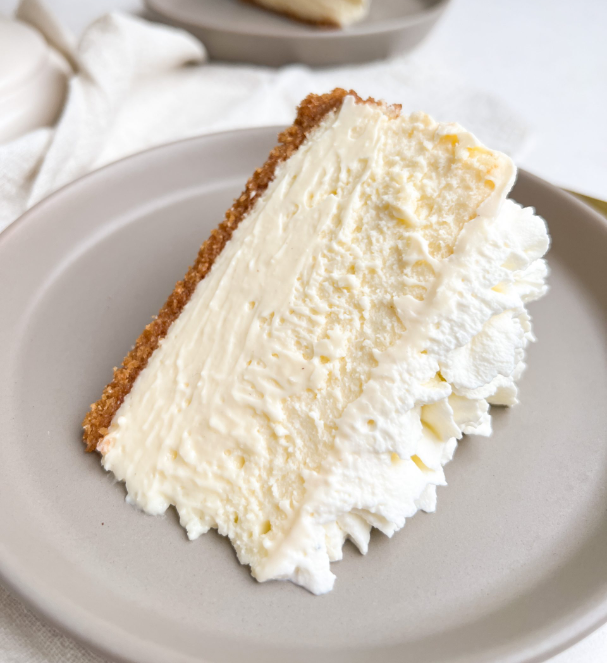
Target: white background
[{"x": 547, "y": 59}]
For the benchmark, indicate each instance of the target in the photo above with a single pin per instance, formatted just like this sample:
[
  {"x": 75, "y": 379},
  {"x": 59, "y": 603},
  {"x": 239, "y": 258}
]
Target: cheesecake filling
[
  {"x": 362, "y": 318},
  {"x": 338, "y": 12}
]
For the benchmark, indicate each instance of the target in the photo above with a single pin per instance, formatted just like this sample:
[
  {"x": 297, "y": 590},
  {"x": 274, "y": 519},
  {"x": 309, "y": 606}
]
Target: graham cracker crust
[
  {"x": 331, "y": 25},
  {"x": 310, "y": 114}
]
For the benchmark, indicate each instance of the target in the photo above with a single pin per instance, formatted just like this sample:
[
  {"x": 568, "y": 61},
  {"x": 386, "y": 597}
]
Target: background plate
[
  {"x": 511, "y": 568},
  {"x": 232, "y": 30}
]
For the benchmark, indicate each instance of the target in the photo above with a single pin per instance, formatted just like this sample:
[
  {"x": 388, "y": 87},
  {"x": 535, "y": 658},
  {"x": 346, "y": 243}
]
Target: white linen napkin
[
  {"x": 26, "y": 639},
  {"x": 114, "y": 53},
  {"x": 135, "y": 86}
]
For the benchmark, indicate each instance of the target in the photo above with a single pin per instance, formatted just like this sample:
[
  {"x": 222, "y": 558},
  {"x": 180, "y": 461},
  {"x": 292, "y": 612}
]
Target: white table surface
[{"x": 547, "y": 59}]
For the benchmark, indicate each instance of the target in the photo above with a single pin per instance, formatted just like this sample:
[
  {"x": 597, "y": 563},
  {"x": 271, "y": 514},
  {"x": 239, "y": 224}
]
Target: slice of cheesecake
[
  {"x": 357, "y": 311},
  {"x": 328, "y": 13}
]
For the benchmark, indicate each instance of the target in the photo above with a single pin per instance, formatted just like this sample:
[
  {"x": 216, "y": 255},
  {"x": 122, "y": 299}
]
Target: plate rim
[
  {"x": 301, "y": 31},
  {"x": 42, "y": 604}
]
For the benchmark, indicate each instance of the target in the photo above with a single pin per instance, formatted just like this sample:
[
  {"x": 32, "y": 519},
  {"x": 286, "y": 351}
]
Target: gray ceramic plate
[
  {"x": 511, "y": 568},
  {"x": 232, "y": 30}
]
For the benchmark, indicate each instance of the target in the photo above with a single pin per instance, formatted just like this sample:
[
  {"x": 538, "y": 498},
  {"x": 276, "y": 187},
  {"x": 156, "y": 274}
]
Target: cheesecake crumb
[{"x": 310, "y": 114}]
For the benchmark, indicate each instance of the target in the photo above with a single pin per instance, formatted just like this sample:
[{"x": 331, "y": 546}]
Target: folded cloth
[
  {"x": 114, "y": 53},
  {"x": 25, "y": 639},
  {"x": 135, "y": 86}
]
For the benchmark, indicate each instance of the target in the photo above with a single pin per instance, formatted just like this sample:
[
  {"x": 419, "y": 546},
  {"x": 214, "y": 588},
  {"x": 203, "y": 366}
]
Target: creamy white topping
[
  {"x": 341, "y": 12},
  {"x": 360, "y": 320}
]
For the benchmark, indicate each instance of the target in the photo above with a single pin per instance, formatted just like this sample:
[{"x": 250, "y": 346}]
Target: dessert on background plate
[
  {"x": 327, "y": 13},
  {"x": 358, "y": 310}
]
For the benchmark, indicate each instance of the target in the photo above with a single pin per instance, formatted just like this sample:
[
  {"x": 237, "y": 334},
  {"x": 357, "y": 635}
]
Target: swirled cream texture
[
  {"x": 338, "y": 12},
  {"x": 362, "y": 318}
]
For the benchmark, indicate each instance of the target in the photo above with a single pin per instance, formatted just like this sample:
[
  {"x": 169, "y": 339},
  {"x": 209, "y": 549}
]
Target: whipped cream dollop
[{"x": 363, "y": 317}]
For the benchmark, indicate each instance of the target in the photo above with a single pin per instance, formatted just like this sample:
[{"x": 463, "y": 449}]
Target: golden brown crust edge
[{"x": 331, "y": 25}]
